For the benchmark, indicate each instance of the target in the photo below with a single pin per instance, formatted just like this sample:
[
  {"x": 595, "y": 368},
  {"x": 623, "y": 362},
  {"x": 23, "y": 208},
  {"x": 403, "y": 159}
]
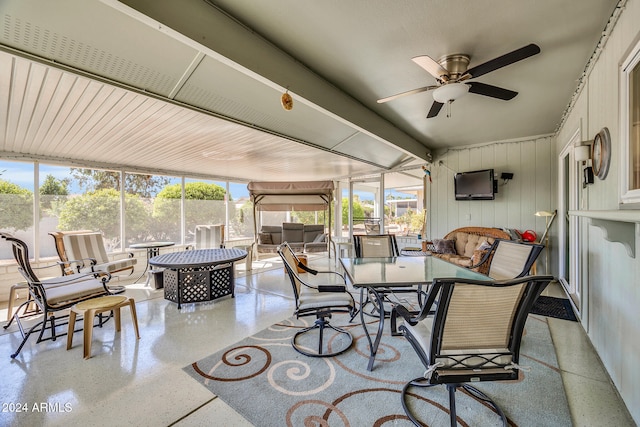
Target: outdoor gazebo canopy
[{"x": 286, "y": 196}]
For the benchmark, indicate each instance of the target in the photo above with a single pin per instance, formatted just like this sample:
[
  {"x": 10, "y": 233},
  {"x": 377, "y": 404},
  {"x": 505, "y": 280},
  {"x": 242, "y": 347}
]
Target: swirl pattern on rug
[{"x": 265, "y": 380}]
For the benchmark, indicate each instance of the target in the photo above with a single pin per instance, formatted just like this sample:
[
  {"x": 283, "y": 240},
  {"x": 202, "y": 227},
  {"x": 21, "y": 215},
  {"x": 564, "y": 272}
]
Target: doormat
[{"x": 560, "y": 308}]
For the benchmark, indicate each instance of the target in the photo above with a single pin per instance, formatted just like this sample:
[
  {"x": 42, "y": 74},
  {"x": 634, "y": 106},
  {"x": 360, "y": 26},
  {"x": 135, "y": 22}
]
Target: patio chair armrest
[
  {"x": 331, "y": 288},
  {"x": 483, "y": 259},
  {"x": 307, "y": 269},
  {"x": 425, "y": 310},
  {"x": 315, "y": 272},
  {"x": 47, "y": 266},
  {"x": 79, "y": 277},
  {"x": 81, "y": 263},
  {"x": 128, "y": 255},
  {"x": 400, "y": 310}
]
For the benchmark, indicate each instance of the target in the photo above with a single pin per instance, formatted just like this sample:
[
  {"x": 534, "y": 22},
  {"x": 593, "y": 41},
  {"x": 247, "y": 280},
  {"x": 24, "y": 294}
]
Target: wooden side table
[{"x": 94, "y": 306}]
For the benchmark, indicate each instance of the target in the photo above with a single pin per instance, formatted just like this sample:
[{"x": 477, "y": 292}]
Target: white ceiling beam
[{"x": 213, "y": 29}]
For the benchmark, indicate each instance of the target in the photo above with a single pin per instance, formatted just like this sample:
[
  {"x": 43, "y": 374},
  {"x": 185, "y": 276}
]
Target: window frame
[{"x": 628, "y": 197}]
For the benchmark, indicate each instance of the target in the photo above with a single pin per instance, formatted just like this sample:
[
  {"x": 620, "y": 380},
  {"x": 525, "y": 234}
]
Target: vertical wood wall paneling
[
  {"x": 611, "y": 284},
  {"x": 531, "y": 162}
]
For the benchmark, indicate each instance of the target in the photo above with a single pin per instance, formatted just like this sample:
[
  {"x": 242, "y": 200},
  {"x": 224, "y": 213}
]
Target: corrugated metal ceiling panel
[{"x": 58, "y": 115}]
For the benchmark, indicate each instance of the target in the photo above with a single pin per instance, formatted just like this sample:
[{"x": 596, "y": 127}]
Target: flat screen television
[{"x": 475, "y": 185}]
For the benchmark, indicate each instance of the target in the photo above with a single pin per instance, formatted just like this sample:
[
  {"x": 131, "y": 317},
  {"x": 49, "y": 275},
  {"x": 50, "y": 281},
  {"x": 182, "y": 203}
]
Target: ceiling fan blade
[
  {"x": 435, "y": 109},
  {"x": 504, "y": 60},
  {"x": 491, "y": 91},
  {"x": 432, "y": 66},
  {"x": 409, "y": 92}
]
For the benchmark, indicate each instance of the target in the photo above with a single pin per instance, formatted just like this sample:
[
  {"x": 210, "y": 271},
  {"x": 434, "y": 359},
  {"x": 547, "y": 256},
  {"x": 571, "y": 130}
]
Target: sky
[{"x": 21, "y": 173}]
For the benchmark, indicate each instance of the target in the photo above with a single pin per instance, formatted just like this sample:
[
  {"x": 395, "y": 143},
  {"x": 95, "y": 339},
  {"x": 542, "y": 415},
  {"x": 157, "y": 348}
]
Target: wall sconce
[{"x": 582, "y": 153}]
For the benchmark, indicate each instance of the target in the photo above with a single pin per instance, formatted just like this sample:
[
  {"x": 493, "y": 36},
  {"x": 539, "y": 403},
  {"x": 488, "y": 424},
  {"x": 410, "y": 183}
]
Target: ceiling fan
[{"x": 451, "y": 73}]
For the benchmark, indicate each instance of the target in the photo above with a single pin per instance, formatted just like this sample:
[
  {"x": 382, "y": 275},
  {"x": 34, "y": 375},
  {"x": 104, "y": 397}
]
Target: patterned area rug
[
  {"x": 560, "y": 308},
  {"x": 265, "y": 380}
]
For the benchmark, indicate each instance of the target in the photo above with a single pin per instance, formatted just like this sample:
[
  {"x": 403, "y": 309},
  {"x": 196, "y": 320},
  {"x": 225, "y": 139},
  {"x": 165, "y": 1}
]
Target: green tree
[
  {"x": 53, "y": 192},
  {"x": 16, "y": 206},
  {"x": 358, "y": 211},
  {"x": 100, "y": 210},
  {"x": 166, "y": 209},
  {"x": 242, "y": 221},
  {"x": 143, "y": 185},
  {"x": 309, "y": 217}
]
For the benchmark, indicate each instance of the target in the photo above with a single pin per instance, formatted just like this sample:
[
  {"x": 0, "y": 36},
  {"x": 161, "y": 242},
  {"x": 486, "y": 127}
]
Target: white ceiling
[{"x": 194, "y": 86}]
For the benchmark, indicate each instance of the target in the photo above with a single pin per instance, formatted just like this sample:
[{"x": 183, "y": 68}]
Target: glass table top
[{"x": 402, "y": 271}]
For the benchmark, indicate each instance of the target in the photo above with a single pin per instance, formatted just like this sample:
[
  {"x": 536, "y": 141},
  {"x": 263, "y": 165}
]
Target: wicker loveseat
[
  {"x": 469, "y": 245},
  {"x": 301, "y": 237}
]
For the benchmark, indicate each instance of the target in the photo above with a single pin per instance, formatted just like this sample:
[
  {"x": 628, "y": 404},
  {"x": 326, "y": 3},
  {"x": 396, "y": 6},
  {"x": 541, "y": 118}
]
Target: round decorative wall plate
[
  {"x": 601, "y": 153},
  {"x": 287, "y": 101}
]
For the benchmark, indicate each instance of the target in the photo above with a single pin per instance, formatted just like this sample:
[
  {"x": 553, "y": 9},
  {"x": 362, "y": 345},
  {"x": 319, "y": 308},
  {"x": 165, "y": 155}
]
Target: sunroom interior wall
[
  {"x": 610, "y": 285},
  {"x": 533, "y": 164}
]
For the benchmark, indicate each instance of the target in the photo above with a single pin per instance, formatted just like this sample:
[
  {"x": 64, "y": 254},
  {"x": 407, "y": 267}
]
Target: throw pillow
[
  {"x": 485, "y": 245},
  {"x": 265, "y": 239},
  {"x": 319, "y": 238},
  {"x": 443, "y": 246}
]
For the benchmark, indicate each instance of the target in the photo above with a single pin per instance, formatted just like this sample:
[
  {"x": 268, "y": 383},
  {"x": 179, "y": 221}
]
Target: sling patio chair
[
  {"x": 51, "y": 296},
  {"x": 85, "y": 251},
  {"x": 210, "y": 236},
  {"x": 508, "y": 259},
  {"x": 320, "y": 301},
  {"x": 386, "y": 246},
  {"x": 474, "y": 336}
]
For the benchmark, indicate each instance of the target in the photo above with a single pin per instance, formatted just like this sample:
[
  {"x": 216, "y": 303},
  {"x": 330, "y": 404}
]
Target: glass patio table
[
  {"x": 370, "y": 274},
  {"x": 153, "y": 249}
]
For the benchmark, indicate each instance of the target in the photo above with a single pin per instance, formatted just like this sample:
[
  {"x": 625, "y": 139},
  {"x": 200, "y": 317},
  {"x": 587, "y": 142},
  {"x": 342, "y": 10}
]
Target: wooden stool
[
  {"x": 13, "y": 296},
  {"x": 303, "y": 259},
  {"x": 94, "y": 306}
]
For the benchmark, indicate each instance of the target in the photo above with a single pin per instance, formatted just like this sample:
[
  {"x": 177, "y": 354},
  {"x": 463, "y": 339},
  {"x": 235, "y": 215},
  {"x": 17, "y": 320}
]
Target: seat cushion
[
  {"x": 315, "y": 247},
  {"x": 312, "y": 299},
  {"x": 275, "y": 231},
  {"x": 292, "y": 232},
  {"x": 466, "y": 243},
  {"x": 455, "y": 259},
  {"x": 265, "y": 239},
  {"x": 75, "y": 290},
  {"x": 112, "y": 266},
  {"x": 86, "y": 245}
]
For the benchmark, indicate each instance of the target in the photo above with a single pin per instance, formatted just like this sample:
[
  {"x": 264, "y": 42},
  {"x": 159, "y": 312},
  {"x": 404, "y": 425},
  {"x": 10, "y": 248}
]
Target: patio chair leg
[{"x": 26, "y": 336}]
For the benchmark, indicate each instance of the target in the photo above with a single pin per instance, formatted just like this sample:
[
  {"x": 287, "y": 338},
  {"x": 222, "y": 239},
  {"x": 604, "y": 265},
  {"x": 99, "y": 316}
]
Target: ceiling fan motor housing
[{"x": 456, "y": 65}]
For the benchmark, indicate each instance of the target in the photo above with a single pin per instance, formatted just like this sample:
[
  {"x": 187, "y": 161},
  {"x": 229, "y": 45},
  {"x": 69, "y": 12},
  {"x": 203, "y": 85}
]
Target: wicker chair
[{"x": 467, "y": 241}]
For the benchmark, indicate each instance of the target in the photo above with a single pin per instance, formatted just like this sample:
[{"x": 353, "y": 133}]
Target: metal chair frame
[
  {"x": 38, "y": 295},
  {"x": 322, "y": 313},
  {"x": 534, "y": 251},
  {"x": 389, "y": 242},
  {"x": 467, "y": 366}
]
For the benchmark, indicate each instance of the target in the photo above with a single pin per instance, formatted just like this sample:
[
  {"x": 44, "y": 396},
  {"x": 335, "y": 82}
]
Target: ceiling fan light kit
[
  {"x": 452, "y": 74},
  {"x": 450, "y": 92}
]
